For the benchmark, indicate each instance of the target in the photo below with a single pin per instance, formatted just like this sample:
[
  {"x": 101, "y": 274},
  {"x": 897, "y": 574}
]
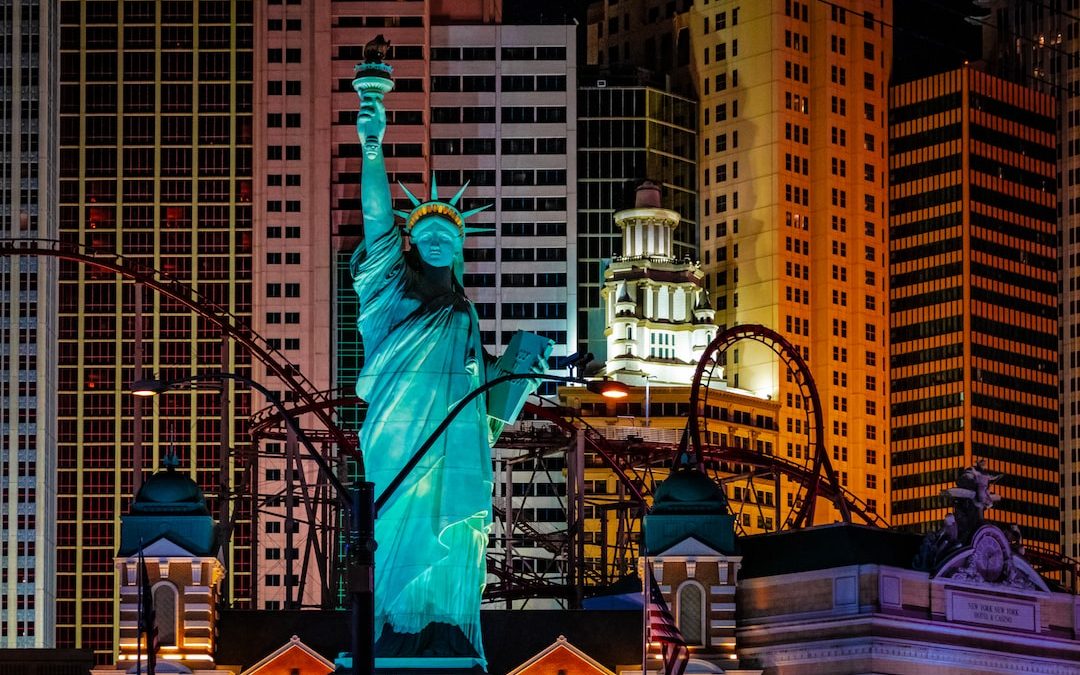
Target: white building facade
[
  {"x": 29, "y": 180},
  {"x": 659, "y": 318}
]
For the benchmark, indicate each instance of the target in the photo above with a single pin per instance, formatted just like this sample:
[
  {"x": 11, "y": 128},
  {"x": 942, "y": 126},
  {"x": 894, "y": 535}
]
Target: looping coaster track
[{"x": 631, "y": 461}]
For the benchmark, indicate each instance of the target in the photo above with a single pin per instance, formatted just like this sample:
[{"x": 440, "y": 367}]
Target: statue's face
[{"x": 438, "y": 240}]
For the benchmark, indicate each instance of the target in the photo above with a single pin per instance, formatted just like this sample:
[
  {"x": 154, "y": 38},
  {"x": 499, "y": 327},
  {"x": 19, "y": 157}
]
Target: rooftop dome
[
  {"x": 647, "y": 195},
  {"x": 169, "y": 491},
  {"x": 689, "y": 490}
]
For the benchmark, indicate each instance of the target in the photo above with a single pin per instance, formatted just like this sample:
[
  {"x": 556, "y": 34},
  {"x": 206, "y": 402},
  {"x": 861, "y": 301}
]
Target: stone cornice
[{"x": 884, "y": 649}]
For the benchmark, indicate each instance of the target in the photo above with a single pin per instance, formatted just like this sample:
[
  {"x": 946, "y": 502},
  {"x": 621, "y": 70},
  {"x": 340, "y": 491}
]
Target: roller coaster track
[
  {"x": 232, "y": 326},
  {"x": 803, "y": 513}
]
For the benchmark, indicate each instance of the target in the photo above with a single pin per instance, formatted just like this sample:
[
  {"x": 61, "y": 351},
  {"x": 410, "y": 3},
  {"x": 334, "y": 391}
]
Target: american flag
[
  {"x": 147, "y": 617},
  {"x": 661, "y": 628}
]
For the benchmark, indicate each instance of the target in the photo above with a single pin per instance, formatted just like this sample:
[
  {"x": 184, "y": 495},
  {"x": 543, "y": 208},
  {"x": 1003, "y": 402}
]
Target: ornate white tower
[{"x": 659, "y": 319}]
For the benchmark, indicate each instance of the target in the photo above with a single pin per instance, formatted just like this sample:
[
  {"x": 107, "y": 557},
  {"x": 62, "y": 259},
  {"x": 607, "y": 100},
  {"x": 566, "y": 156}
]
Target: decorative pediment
[
  {"x": 162, "y": 547},
  {"x": 290, "y": 655},
  {"x": 990, "y": 560},
  {"x": 689, "y": 547},
  {"x": 561, "y": 653}
]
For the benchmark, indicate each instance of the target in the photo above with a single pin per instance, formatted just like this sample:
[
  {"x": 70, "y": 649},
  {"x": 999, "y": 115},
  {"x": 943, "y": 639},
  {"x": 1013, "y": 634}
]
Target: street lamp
[{"x": 357, "y": 501}]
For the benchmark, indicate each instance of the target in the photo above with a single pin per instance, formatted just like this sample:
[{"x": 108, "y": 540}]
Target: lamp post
[
  {"x": 357, "y": 501},
  {"x": 648, "y": 378}
]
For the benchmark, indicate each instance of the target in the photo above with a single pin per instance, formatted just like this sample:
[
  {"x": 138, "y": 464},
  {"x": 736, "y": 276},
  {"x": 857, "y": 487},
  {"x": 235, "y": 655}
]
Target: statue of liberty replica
[{"x": 422, "y": 355}]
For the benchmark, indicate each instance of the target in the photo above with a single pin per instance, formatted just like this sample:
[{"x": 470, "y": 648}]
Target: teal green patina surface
[
  {"x": 689, "y": 504},
  {"x": 169, "y": 505},
  {"x": 422, "y": 355}
]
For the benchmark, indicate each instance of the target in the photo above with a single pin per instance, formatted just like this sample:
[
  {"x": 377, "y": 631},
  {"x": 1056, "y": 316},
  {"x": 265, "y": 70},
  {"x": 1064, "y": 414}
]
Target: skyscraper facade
[
  {"x": 155, "y": 166},
  {"x": 29, "y": 127},
  {"x": 1033, "y": 45},
  {"x": 973, "y": 298},
  {"x": 474, "y": 101},
  {"x": 792, "y": 220}
]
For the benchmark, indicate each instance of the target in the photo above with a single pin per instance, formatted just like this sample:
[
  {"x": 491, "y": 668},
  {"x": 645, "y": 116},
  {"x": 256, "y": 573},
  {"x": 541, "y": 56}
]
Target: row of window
[
  {"x": 274, "y": 120},
  {"x": 275, "y": 258},
  {"x": 291, "y": 290},
  {"x": 556, "y": 53},
  {"x": 523, "y": 310},
  {"x": 542, "y": 280},
  {"x": 291, "y": 206},
  {"x": 510, "y": 146},
  {"x": 510, "y": 83}
]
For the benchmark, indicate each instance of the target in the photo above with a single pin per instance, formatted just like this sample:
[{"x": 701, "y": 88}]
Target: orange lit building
[
  {"x": 792, "y": 199},
  {"x": 793, "y": 211},
  {"x": 1044, "y": 62},
  {"x": 973, "y": 298}
]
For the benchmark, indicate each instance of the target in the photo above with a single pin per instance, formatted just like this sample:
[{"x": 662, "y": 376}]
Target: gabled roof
[
  {"x": 690, "y": 546},
  {"x": 553, "y": 650},
  {"x": 162, "y": 547},
  {"x": 294, "y": 650}
]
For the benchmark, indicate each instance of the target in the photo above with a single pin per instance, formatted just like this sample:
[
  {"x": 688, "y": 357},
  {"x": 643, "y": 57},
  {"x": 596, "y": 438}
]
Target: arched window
[
  {"x": 691, "y": 604},
  {"x": 629, "y": 332},
  {"x": 165, "y": 613}
]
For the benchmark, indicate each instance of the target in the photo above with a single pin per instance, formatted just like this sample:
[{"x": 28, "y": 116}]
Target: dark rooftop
[
  {"x": 826, "y": 546},
  {"x": 510, "y": 637}
]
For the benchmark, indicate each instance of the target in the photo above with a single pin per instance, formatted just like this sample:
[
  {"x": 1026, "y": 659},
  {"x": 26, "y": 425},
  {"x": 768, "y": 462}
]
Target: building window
[
  {"x": 165, "y": 614},
  {"x": 691, "y": 604}
]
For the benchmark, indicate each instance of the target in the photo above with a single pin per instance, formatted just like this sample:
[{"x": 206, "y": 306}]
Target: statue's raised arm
[{"x": 372, "y": 83}]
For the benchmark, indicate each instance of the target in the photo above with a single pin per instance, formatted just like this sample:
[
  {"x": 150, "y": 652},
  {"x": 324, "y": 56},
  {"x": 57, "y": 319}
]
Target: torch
[{"x": 373, "y": 80}]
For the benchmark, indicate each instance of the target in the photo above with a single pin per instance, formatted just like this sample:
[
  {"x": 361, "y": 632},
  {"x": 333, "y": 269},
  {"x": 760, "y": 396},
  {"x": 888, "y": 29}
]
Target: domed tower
[
  {"x": 658, "y": 318},
  {"x": 690, "y": 551},
  {"x": 170, "y": 523}
]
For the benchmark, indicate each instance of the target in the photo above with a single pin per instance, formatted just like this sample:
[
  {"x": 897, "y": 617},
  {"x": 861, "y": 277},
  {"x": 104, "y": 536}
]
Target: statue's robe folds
[{"x": 422, "y": 355}]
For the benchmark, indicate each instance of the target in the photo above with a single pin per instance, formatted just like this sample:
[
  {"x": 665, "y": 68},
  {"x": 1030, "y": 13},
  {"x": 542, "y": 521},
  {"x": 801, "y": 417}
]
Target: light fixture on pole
[{"x": 357, "y": 501}]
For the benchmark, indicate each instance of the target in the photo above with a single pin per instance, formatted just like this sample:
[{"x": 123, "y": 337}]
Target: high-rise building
[
  {"x": 973, "y": 298},
  {"x": 155, "y": 165},
  {"x": 628, "y": 131},
  {"x": 791, "y": 173},
  {"x": 29, "y": 128},
  {"x": 650, "y": 35},
  {"x": 473, "y": 100},
  {"x": 1032, "y": 45}
]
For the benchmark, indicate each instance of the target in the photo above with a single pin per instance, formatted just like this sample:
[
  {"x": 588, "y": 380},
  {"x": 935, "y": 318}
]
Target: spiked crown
[{"x": 436, "y": 207}]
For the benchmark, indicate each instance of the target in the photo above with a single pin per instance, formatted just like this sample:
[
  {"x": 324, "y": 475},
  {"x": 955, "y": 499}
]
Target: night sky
[{"x": 930, "y": 36}]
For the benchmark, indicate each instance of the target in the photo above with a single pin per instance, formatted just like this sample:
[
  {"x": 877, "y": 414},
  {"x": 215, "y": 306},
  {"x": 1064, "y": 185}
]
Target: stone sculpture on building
[{"x": 969, "y": 549}]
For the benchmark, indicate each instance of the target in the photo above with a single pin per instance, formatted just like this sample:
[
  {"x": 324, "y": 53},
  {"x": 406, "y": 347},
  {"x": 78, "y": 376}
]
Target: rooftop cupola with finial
[
  {"x": 648, "y": 229},
  {"x": 703, "y": 311},
  {"x": 625, "y": 304}
]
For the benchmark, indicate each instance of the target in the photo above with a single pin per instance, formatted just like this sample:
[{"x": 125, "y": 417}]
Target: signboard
[{"x": 993, "y": 611}]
